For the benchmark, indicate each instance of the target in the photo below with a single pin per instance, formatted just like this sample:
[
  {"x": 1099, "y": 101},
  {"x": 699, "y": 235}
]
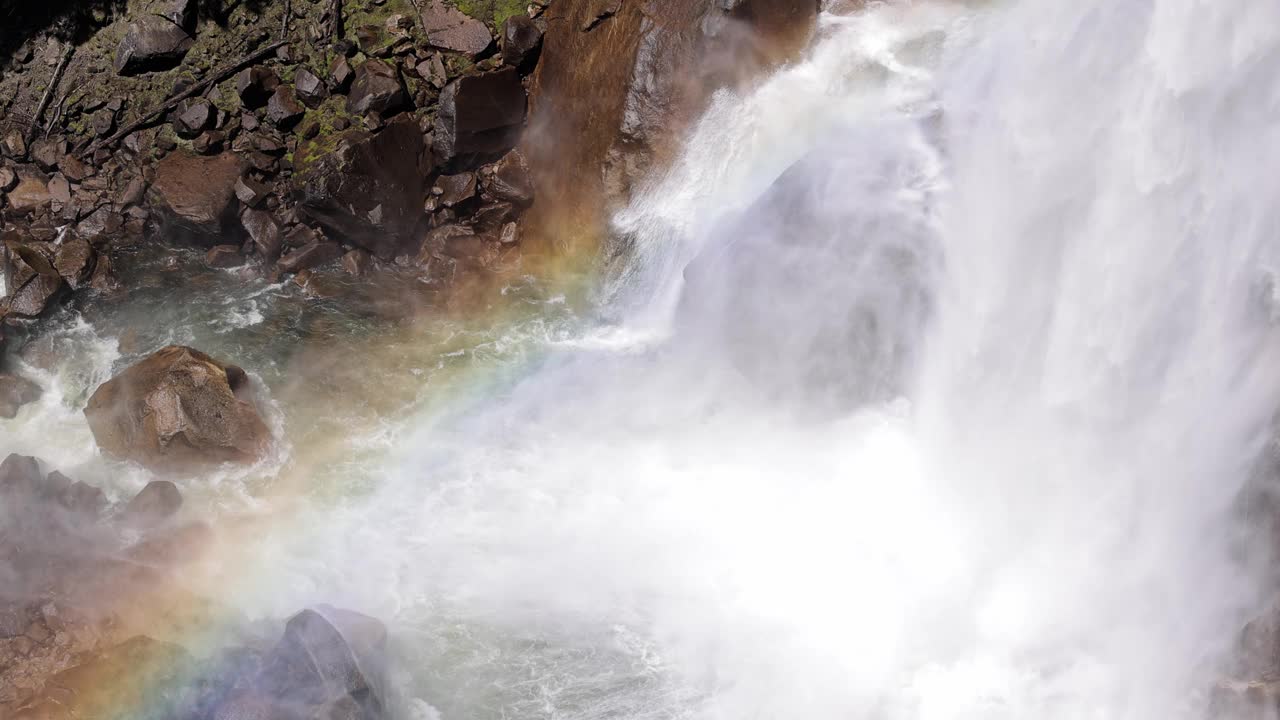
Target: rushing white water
[{"x": 946, "y": 422}]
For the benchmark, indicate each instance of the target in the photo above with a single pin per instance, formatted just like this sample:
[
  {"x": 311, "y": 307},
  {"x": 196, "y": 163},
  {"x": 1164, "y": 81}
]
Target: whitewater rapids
[{"x": 951, "y": 422}]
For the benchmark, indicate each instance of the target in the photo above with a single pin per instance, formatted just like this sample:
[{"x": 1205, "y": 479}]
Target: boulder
[
  {"x": 177, "y": 409},
  {"x": 456, "y": 189},
  {"x": 192, "y": 117},
  {"x": 448, "y": 28},
  {"x": 8, "y": 179},
  {"x": 30, "y": 194},
  {"x": 223, "y": 256},
  {"x": 35, "y": 296},
  {"x": 264, "y": 231},
  {"x": 341, "y": 74},
  {"x": 376, "y": 88},
  {"x": 255, "y": 85},
  {"x": 196, "y": 194},
  {"x": 74, "y": 261},
  {"x": 521, "y": 42},
  {"x": 328, "y": 655},
  {"x": 310, "y": 89},
  {"x": 16, "y": 391},
  {"x": 157, "y": 502},
  {"x": 47, "y": 152},
  {"x": 151, "y": 43},
  {"x": 313, "y": 254},
  {"x": 510, "y": 181},
  {"x": 368, "y": 189},
  {"x": 480, "y": 118},
  {"x": 251, "y": 192},
  {"x": 283, "y": 108}
]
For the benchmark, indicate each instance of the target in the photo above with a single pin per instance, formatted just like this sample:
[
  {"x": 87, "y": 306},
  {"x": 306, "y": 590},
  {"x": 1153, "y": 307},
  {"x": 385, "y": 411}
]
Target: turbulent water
[{"x": 926, "y": 388}]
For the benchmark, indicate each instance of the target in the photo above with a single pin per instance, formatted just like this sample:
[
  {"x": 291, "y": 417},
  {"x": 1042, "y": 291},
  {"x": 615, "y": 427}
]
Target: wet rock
[
  {"x": 456, "y": 189},
  {"x": 193, "y": 117},
  {"x": 151, "y": 43},
  {"x": 356, "y": 262},
  {"x": 510, "y": 180},
  {"x": 157, "y": 502},
  {"x": 313, "y": 254},
  {"x": 450, "y": 29},
  {"x": 196, "y": 194},
  {"x": 223, "y": 256},
  {"x": 510, "y": 234},
  {"x": 454, "y": 242},
  {"x": 490, "y": 218},
  {"x": 255, "y": 86},
  {"x": 521, "y": 42},
  {"x": 264, "y": 231},
  {"x": 369, "y": 188},
  {"x": 328, "y": 655},
  {"x": 376, "y": 88},
  {"x": 283, "y": 108},
  {"x": 104, "y": 223},
  {"x": 35, "y": 296},
  {"x": 16, "y": 391},
  {"x": 74, "y": 261},
  {"x": 479, "y": 119},
  {"x": 176, "y": 409},
  {"x": 310, "y": 89}
]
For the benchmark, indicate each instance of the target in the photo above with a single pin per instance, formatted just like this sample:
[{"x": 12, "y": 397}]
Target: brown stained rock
[
  {"x": 16, "y": 391},
  {"x": 310, "y": 89},
  {"x": 196, "y": 194},
  {"x": 447, "y": 28},
  {"x": 341, "y": 74},
  {"x": 224, "y": 256},
  {"x": 15, "y": 144},
  {"x": 376, "y": 89},
  {"x": 368, "y": 189},
  {"x": 312, "y": 255},
  {"x": 251, "y": 192},
  {"x": 457, "y": 243},
  {"x": 30, "y": 194},
  {"x": 521, "y": 42},
  {"x": 264, "y": 231},
  {"x": 491, "y": 217},
  {"x": 73, "y": 169},
  {"x": 8, "y": 179},
  {"x": 178, "y": 409},
  {"x": 74, "y": 261},
  {"x": 151, "y": 43},
  {"x": 283, "y": 108},
  {"x": 255, "y": 86},
  {"x": 47, "y": 152}
]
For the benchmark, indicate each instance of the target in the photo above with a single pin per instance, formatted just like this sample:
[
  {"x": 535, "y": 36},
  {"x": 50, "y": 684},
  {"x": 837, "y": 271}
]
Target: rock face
[
  {"x": 151, "y": 43},
  {"x": 480, "y": 118},
  {"x": 176, "y": 409},
  {"x": 617, "y": 81},
  {"x": 449, "y": 29},
  {"x": 369, "y": 189},
  {"x": 198, "y": 193}
]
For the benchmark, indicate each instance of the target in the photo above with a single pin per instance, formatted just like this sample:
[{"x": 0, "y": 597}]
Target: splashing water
[{"x": 936, "y": 367}]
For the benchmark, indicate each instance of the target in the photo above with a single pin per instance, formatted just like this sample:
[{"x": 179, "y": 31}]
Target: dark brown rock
[
  {"x": 74, "y": 170},
  {"x": 264, "y": 231},
  {"x": 313, "y": 254},
  {"x": 450, "y": 29},
  {"x": 157, "y": 502},
  {"x": 16, "y": 391},
  {"x": 356, "y": 262},
  {"x": 456, "y": 189},
  {"x": 510, "y": 180},
  {"x": 251, "y": 192},
  {"x": 480, "y": 118},
  {"x": 368, "y": 189},
  {"x": 489, "y": 218},
  {"x": 224, "y": 256},
  {"x": 521, "y": 42},
  {"x": 376, "y": 88},
  {"x": 341, "y": 74},
  {"x": 310, "y": 89},
  {"x": 151, "y": 43},
  {"x": 283, "y": 108},
  {"x": 192, "y": 117},
  {"x": 209, "y": 143},
  {"x": 178, "y": 408},
  {"x": 197, "y": 193},
  {"x": 255, "y": 86},
  {"x": 46, "y": 153},
  {"x": 101, "y": 225},
  {"x": 74, "y": 261}
]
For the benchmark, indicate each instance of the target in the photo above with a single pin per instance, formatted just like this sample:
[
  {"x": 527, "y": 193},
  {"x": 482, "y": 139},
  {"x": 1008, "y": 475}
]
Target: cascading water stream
[{"x": 935, "y": 372}]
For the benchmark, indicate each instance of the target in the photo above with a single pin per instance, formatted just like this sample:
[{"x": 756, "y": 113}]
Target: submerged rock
[
  {"x": 16, "y": 391},
  {"x": 176, "y": 409}
]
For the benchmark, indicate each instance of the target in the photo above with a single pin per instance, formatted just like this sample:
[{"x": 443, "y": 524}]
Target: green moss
[
  {"x": 326, "y": 141},
  {"x": 491, "y": 12}
]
